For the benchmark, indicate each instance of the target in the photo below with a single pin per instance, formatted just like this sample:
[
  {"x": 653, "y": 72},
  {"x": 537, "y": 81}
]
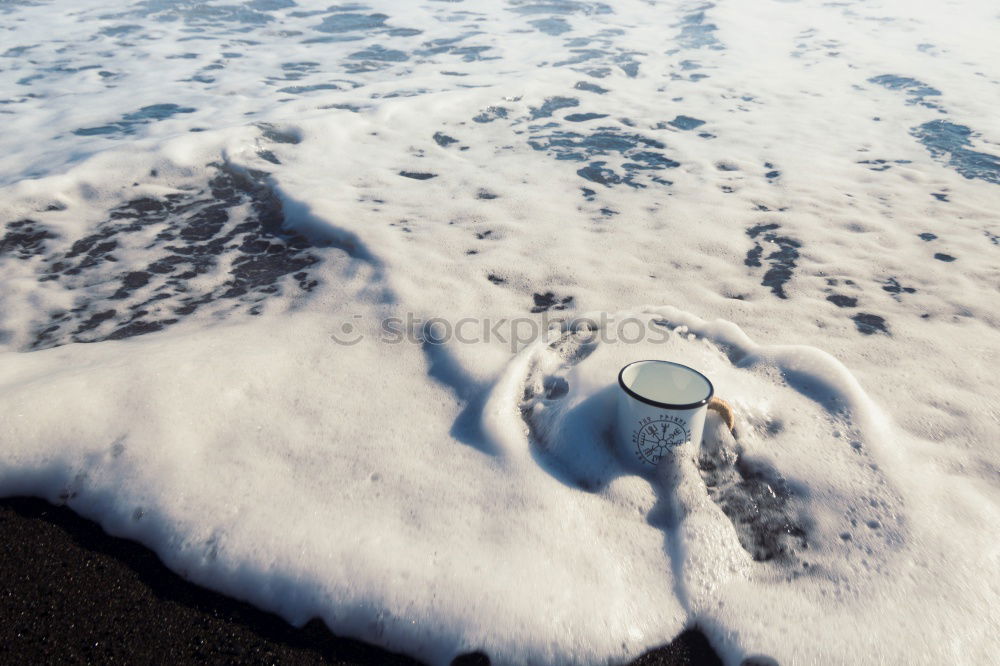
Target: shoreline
[{"x": 75, "y": 593}]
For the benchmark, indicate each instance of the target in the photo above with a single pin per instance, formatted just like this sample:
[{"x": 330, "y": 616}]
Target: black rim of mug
[{"x": 665, "y": 405}]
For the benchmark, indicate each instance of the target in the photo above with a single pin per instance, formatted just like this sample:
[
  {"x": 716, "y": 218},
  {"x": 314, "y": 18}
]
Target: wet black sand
[{"x": 71, "y": 593}]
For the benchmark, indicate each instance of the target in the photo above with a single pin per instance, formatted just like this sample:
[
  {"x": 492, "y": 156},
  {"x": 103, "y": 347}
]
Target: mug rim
[{"x": 665, "y": 405}]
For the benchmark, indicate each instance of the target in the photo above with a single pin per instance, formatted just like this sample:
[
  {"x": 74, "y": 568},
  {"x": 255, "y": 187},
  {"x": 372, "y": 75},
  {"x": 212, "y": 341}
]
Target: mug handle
[{"x": 725, "y": 412}]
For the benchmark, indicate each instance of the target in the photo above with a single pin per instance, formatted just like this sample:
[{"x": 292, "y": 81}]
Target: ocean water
[{"x": 325, "y": 304}]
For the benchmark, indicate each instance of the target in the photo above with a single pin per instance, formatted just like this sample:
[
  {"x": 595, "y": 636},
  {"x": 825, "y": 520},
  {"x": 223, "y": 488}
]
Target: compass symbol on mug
[{"x": 657, "y": 435}]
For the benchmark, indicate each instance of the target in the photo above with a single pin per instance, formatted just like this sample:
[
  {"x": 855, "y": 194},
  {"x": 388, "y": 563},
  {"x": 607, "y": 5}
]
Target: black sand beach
[{"x": 71, "y": 593}]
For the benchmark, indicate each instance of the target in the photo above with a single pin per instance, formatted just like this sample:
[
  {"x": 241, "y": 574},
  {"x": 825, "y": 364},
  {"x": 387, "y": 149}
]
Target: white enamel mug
[{"x": 661, "y": 407}]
